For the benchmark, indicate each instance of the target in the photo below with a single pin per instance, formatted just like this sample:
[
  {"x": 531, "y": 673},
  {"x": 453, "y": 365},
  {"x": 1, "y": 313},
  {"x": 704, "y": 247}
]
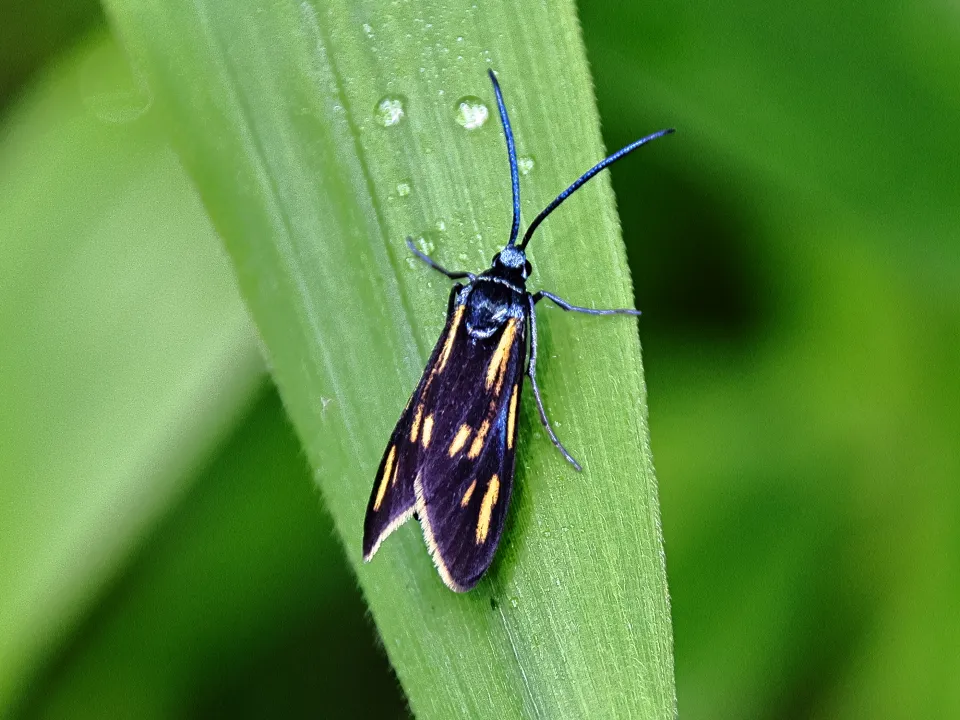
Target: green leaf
[
  {"x": 288, "y": 119},
  {"x": 854, "y": 126},
  {"x": 126, "y": 350}
]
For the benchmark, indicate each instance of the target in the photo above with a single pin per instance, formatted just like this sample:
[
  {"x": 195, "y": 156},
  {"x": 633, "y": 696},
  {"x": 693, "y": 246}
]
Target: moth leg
[
  {"x": 564, "y": 305},
  {"x": 532, "y": 374},
  {"x": 453, "y": 275}
]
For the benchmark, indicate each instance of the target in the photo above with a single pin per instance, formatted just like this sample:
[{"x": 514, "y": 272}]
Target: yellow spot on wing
[
  {"x": 416, "y": 423},
  {"x": 498, "y": 363},
  {"x": 459, "y": 440},
  {"x": 477, "y": 445},
  {"x": 427, "y": 431},
  {"x": 468, "y": 494},
  {"x": 486, "y": 509},
  {"x": 500, "y": 376},
  {"x": 448, "y": 343},
  {"x": 511, "y": 418},
  {"x": 387, "y": 471}
]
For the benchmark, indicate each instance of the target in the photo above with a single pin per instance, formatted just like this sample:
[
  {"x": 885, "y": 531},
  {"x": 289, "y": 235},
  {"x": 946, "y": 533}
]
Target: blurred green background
[{"x": 163, "y": 551}]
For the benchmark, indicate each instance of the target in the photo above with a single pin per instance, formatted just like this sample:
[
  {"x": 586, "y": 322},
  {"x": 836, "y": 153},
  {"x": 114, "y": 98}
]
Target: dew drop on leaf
[
  {"x": 470, "y": 113},
  {"x": 390, "y": 110}
]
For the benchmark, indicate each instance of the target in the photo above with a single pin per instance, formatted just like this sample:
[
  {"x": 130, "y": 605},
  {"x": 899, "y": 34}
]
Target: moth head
[{"x": 513, "y": 260}]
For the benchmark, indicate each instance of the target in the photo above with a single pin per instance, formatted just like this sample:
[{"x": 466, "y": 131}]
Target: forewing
[
  {"x": 392, "y": 499},
  {"x": 466, "y": 467}
]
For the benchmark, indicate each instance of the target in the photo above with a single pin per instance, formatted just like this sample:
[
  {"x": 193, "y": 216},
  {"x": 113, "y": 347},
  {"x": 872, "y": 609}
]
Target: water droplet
[
  {"x": 526, "y": 164},
  {"x": 441, "y": 226},
  {"x": 514, "y": 602},
  {"x": 459, "y": 38},
  {"x": 403, "y": 189},
  {"x": 426, "y": 245},
  {"x": 547, "y": 533},
  {"x": 390, "y": 110},
  {"x": 471, "y": 113},
  {"x": 368, "y": 30}
]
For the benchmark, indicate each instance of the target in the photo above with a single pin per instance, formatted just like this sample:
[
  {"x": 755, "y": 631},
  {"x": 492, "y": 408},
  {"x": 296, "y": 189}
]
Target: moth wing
[
  {"x": 465, "y": 479},
  {"x": 392, "y": 499}
]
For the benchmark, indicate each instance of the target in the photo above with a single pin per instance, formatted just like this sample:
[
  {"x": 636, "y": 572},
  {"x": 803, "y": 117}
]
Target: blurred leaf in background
[
  {"x": 32, "y": 33},
  {"x": 126, "y": 350},
  {"x": 240, "y": 606},
  {"x": 797, "y": 260},
  {"x": 136, "y": 581}
]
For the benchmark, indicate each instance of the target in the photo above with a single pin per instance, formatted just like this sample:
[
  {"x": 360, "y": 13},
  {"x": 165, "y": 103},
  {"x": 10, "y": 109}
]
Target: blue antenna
[
  {"x": 512, "y": 153},
  {"x": 578, "y": 183}
]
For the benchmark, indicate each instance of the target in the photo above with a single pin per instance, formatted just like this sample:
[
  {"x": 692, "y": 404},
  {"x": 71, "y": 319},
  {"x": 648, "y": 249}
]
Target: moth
[{"x": 450, "y": 460}]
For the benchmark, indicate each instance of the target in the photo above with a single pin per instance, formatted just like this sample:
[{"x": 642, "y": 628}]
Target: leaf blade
[{"x": 279, "y": 127}]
